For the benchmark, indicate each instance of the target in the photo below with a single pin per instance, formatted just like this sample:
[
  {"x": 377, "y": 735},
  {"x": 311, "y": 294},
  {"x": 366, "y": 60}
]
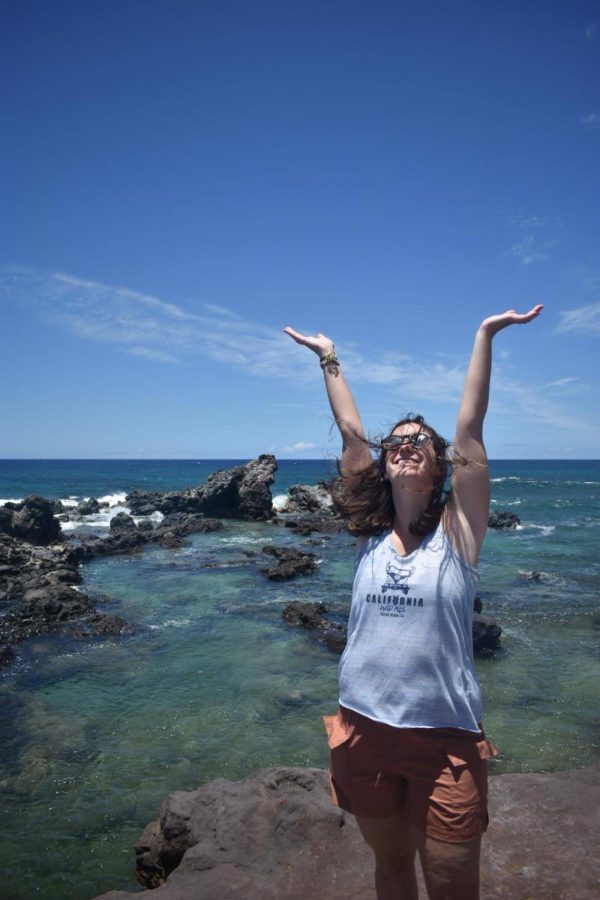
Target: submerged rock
[
  {"x": 276, "y": 834},
  {"x": 290, "y": 562},
  {"x": 312, "y": 617}
]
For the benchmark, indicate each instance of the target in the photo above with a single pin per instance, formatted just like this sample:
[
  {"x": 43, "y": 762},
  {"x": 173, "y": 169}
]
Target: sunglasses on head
[{"x": 418, "y": 439}]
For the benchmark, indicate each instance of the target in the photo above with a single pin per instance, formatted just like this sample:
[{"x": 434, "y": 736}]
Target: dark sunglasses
[{"x": 419, "y": 439}]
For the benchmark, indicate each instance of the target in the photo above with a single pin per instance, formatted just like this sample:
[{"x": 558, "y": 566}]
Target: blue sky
[{"x": 183, "y": 179}]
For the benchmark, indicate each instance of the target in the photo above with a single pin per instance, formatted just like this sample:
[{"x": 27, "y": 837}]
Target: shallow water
[{"x": 214, "y": 684}]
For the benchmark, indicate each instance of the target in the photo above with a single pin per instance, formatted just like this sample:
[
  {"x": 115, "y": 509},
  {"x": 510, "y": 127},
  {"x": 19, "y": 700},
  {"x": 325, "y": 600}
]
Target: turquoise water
[{"x": 213, "y": 684}]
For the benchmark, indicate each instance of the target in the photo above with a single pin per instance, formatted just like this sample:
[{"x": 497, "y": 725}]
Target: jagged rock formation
[{"x": 242, "y": 492}]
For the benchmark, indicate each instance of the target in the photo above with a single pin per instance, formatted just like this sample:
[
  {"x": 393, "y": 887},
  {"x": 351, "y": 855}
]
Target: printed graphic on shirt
[
  {"x": 394, "y": 599},
  {"x": 396, "y": 578}
]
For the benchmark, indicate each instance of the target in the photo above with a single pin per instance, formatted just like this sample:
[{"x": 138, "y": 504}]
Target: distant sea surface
[{"x": 212, "y": 683}]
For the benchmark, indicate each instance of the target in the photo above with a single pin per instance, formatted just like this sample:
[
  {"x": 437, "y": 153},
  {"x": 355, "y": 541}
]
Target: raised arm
[
  {"x": 355, "y": 451},
  {"x": 468, "y": 510}
]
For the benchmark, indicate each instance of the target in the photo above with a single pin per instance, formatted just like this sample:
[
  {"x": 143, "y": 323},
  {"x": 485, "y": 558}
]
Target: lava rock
[
  {"x": 276, "y": 834},
  {"x": 304, "y": 498},
  {"x": 242, "y": 492},
  {"x": 486, "y": 634},
  {"x": 122, "y": 523},
  {"x": 35, "y": 522},
  {"x": 290, "y": 562},
  {"x": 312, "y": 617},
  {"x": 504, "y": 520},
  {"x": 88, "y": 507}
]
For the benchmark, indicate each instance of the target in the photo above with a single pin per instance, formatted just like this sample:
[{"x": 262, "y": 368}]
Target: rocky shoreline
[
  {"x": 41, "y": 566},
  {"x": 276, "y": 835}
]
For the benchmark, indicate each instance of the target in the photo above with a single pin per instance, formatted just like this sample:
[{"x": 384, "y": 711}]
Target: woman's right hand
[{"x": 318, "y": 343}]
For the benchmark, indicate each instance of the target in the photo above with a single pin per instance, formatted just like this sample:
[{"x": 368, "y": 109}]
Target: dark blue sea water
[{"x": 214, "y": 684}]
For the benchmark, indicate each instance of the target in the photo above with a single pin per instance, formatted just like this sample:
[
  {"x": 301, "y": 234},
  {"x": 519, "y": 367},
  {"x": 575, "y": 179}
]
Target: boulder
[
  {"x": 88, "y": 507},
  {"x": 122, "y": 523},
  {"x": 503, "y": 520},
  {"x": 6, "y": 516},
  {"x": 486, "y": 634},
  {"x": 277, "y": 835},
  {"x": 290, "y": 562},
  {"x": 304, "y": 498},
  {"x": 35, "y": 522}
]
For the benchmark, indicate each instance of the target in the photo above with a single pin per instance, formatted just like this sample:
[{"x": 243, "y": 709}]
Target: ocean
[{"x": 212, "y": 683}]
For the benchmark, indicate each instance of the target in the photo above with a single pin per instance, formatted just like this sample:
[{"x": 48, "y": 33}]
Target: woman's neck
[{"x": 408, "y": 506}]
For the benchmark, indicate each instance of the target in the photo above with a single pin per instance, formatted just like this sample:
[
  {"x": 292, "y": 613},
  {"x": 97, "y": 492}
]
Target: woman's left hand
[{"x": 511, "y": 317}]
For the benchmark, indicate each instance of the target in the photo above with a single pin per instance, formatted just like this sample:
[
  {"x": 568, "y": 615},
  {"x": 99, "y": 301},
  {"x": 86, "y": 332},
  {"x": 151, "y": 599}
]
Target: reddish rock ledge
[{"x": 276, "y": 835}]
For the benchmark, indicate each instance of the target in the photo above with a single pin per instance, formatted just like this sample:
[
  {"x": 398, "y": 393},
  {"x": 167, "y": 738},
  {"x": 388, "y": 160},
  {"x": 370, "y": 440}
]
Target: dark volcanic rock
[
  {"x": 276, "y": 835},
  {"x": 122, "y": 522},
  {"x": 290, "y": 562},
  {"x": 503, "y": 520},
  {"x": 304, "y": 498},
  {"x": 312, "y": 617},
  {"x": 486, "y": 634},
  {"x": 6, "y": 515},
  {"x": 88, "y": 507},
  {"x": 242, "y": 492},
  {"x": 35, "y": 522},
  {"x": 308, "y": 524},
  {"x": 126, "y": 537}
]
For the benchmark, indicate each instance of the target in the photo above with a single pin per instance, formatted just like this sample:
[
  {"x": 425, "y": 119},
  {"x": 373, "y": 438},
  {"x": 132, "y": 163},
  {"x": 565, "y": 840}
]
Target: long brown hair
[{"x": 364, "y": 498}]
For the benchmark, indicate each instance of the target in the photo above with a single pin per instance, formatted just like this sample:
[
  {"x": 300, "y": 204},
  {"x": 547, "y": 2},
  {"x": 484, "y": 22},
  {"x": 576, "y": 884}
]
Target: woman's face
[{"x": 408, "y": 463}]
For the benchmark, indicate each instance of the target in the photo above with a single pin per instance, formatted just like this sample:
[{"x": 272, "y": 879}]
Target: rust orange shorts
[{"x": 438, "y": 775}]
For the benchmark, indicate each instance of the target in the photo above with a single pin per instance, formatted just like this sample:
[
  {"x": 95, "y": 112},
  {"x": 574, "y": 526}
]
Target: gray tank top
[{"x": 409, "y": 657}]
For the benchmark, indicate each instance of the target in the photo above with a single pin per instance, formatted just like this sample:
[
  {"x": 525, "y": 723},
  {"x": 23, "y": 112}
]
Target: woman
[{"x": 407, "y": 747}]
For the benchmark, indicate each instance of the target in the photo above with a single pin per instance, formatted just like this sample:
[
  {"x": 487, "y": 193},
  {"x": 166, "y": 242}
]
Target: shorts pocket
[
  {"x": 337, "y": 731},
  {"x": 468, "y": 753}
]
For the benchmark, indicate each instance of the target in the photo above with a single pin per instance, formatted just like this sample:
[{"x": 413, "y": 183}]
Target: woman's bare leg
[
  {"x": 451, "y": 870},
  {"x": 394, "y": 847}
]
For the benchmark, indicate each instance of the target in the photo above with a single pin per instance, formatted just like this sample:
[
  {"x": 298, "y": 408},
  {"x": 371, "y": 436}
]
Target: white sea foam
[
  {"x": 279, "y": 501},
  {"x": 544, "y": 530},
  {"x": 171, "y": 623},
  {"x": 11, "y": 500},
  {"x": 102, "y": 518},
  {"x": 117, "y": 499}
]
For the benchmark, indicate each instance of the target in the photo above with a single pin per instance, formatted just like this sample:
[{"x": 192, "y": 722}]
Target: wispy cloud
[
  {"x": 164, "y": 332},
  {"x": 562, "y": 382},
  {"x": 591, "y": 32},
  {"x": 530, "y": 250},
  {"x": 592, "y": 120},
  {"x": 583, "y": 320},
  {"x": 523, "y": 219}
]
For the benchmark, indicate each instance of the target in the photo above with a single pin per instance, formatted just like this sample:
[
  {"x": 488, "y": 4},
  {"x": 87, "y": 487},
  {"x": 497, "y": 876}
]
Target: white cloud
[
  {"x": 583, "y": 320},
  {"x": 591, "y": 32},
  {"x": 592, "y": 120},
  {"x": 300, "y": 445}
]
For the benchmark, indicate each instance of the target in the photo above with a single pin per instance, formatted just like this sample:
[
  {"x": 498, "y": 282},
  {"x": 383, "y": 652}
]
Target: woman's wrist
[{"x": 329, "y": 362}]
